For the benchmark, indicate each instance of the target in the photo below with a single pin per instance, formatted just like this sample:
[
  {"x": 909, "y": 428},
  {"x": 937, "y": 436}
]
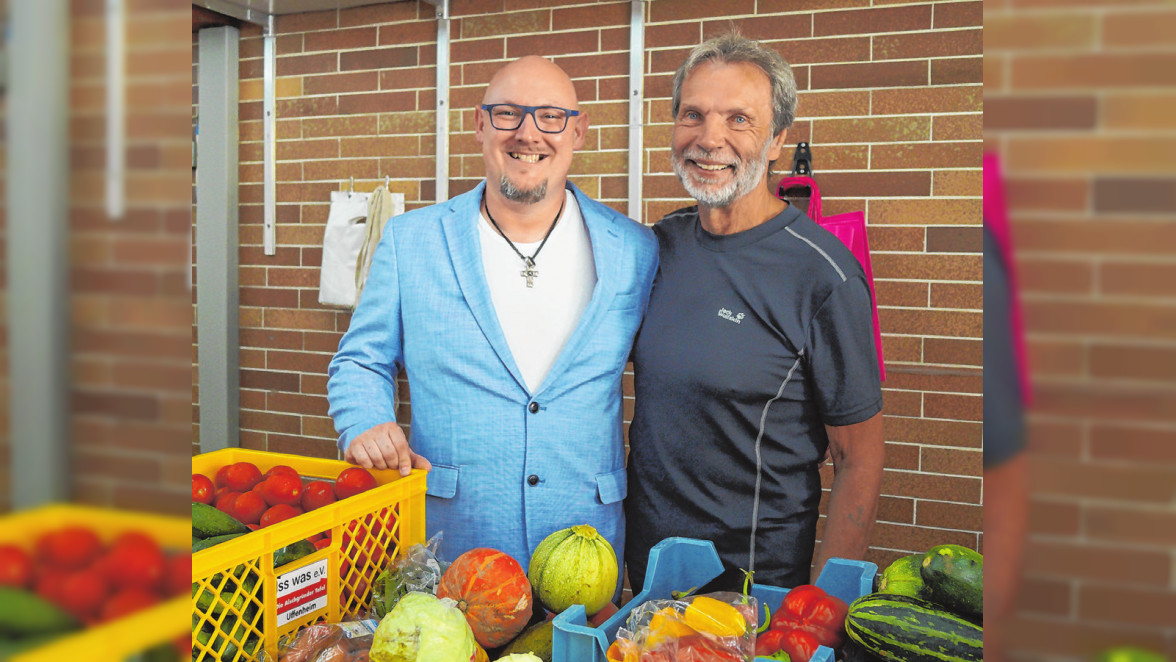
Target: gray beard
[
  {"x": 525, "y": 196},
  {"x": 747, "y": 177}
]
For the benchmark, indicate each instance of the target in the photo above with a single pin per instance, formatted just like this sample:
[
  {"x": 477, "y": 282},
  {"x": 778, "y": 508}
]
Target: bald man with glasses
[{"x": 512, "y": 309}]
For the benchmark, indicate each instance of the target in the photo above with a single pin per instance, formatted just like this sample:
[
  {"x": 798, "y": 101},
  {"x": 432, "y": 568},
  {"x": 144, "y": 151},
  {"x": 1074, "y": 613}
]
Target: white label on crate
[{"x": 302, "y": 592}]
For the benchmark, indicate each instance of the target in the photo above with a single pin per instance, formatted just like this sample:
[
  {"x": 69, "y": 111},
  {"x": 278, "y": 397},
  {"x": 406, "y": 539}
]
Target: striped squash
[{"x": 906, "y": 629}]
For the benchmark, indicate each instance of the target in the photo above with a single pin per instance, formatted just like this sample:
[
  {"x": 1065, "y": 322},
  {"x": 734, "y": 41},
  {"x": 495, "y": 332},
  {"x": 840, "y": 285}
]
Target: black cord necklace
[{"x": 529, "y": 271}]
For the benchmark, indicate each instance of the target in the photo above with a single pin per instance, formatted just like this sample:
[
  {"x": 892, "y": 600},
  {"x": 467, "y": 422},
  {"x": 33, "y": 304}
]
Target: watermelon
[
  {"x": 954, "y": 576},
  {"x": 906, "y": 629}
]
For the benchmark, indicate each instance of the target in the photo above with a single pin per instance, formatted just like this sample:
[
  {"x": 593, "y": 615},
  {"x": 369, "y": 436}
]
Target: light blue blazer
[{"x": 426, "y": 306}]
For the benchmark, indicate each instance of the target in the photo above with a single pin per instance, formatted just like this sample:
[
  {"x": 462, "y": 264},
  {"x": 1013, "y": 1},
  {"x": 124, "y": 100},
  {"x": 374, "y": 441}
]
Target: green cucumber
[
  {"x": 906, "y": 629},
  {"x": 954, "y": 576},
  {"x": 208, "y": 522},
  {"x": 25, "y": 614},
  {"x": 204, "y": 543},
  {"x": 904, "y": 577},
  {"x": 293, "y": 552}
]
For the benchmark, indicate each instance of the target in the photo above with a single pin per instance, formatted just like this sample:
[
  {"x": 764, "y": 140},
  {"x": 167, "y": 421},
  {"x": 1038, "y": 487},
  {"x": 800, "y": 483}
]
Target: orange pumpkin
[{"x": 492, "y": 590}]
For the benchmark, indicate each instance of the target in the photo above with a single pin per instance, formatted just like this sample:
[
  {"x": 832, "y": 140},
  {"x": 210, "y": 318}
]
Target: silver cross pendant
[{"x": 530, "y": 272}]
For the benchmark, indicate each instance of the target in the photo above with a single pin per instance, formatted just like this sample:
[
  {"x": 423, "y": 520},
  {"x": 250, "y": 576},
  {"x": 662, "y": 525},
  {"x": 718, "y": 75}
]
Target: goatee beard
[
  {"x": 747, "y": 177},
  {"x": 526, "y": 196}
]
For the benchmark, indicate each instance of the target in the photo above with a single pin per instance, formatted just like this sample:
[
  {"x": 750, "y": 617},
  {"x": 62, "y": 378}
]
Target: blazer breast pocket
[
  {"x": 612, "y": 487},
  {"x": 442, "y": 481}
]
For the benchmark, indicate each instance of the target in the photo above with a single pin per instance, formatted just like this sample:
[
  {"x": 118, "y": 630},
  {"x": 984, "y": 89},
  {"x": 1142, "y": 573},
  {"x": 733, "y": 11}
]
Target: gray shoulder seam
[{"x": 819, "y": 250}]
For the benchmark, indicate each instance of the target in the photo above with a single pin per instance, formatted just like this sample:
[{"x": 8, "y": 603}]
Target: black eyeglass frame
[{"x": 528, "y": 110}]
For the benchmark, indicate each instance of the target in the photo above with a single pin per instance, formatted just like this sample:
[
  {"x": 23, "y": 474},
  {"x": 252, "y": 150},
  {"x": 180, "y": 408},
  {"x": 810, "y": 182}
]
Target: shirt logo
[{"x": 727, "y": 315}]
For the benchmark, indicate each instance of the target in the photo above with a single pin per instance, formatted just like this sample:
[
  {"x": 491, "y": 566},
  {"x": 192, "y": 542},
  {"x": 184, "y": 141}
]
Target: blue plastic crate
[{"x": 679, "y": 563}]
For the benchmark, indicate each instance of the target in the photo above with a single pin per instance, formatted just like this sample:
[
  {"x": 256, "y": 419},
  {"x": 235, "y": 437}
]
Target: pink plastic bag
[
  {"x": 850, "y": 228},
  {"x": 996, "y": 217}
]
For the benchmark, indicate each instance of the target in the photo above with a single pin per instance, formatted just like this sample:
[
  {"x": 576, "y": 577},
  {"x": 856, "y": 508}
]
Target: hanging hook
[
  {"x": 351, "y": 188},
  {"x": 387, "y": 181},
  {"x": 802, "y": 160}
]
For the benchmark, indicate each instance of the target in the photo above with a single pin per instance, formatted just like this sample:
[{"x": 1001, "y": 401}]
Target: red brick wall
[
  {"x": 890, "y": 98},
  {"x": 130, "y": 323},
  {"x": 1080, "y": 101}
]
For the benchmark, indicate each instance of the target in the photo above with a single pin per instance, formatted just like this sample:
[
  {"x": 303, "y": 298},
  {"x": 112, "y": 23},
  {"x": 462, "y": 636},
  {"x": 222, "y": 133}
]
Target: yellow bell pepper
[
  {"x": 666, "y": 623},
  {"x": 715, "y": 617}
]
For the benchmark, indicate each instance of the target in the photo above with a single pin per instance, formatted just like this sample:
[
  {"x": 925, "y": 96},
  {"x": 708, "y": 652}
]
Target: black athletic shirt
[
  {"x": 760, "y": 335},
  {"x": 1004, "y": 410}
]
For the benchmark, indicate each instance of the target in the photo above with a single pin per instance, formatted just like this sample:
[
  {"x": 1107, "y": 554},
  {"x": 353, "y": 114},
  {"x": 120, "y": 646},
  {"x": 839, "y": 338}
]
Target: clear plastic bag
[
  {"x": 419, "y": 569},
  {"x": 349, "y": 641},
  {"x": 703, "y": 628}
]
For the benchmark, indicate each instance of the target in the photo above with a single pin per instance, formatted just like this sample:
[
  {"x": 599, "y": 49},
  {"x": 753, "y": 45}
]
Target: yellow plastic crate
[
  {"x": 127, "y": 636},
  {"x": 236, "y": 593}
]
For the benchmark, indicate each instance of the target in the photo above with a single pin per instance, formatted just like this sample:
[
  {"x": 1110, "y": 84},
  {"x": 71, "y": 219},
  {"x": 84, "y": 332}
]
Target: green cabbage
[{"x": 421, "y": 628}]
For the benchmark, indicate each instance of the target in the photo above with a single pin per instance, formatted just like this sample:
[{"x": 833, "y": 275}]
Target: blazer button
[
  {"x": 532, "y": 480},
  {"x": 534, "y": 409}
]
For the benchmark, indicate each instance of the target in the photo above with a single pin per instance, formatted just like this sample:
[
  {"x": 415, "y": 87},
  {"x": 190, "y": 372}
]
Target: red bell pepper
[{"x": 807, "y": 618}]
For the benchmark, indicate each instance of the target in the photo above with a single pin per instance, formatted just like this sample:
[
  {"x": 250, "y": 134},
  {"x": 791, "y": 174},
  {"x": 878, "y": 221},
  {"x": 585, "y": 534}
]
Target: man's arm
[{"x": 858, "y": 453}]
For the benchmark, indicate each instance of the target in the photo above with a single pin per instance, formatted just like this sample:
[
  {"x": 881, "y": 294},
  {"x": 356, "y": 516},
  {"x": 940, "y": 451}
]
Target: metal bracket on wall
[
  {"x": 636, "y": 105},
  {"x": 802, "y": 160},
  {"x": 269, "y": 186},
  {"x": 441, "y": 173}
]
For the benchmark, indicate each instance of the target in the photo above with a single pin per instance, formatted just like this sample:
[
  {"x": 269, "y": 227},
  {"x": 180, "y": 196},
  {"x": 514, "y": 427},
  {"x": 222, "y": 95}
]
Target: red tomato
[
  {"x": 282, "y": 489},
  {"x": 178, "y": 575},
  {"x": 224, "y": 502},
  {"x": 127, "y": 601},
  {"x": 16, "y": 567},
  {"x": 242, "y": 476},
  {"x": 248, "y": 508},
  {"x": 354, "y": 531},
  {"x": 352, "y": 481},
  {"x": 283, "y": 469},
  {"x": 48, "y": 583},
  {"x": 70, "y": 548},
  {"x": 321, "y": 543},
  {"x": 135, "y": 561},
  {"x": 316, "y": 494},
  {"x": 202, "y": 489},
  {"x": 222, "y": 476},
  {"x": 279, "y": 513},
  {"x": 83, "y": 592}
]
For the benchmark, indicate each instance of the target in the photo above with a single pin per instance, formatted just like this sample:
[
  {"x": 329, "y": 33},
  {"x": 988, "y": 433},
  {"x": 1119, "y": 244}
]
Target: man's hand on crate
[{"x": 385, "y": 447}]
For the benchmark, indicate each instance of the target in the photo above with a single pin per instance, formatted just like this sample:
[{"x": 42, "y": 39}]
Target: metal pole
[
  {"x": 38, "y": 219},
  {"x": 216, "y": 240}
]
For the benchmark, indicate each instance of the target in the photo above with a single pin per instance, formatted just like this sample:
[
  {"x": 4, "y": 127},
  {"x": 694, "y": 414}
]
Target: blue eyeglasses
[{"x": 509, "y": 116}]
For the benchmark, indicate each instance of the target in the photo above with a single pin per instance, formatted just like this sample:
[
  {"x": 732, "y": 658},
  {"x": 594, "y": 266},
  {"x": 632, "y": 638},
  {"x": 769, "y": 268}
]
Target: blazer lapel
[
  {"x": 607, "y": 245},
  {"x": 460, "y": 224}
]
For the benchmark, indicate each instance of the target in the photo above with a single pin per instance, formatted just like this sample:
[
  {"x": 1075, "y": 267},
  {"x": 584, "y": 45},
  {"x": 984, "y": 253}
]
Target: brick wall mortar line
[{"x": 1161, "y": 302}]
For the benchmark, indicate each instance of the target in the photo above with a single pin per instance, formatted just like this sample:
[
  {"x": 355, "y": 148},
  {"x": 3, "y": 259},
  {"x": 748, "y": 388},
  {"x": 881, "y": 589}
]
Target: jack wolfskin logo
[{"x": 727, "y": 315}]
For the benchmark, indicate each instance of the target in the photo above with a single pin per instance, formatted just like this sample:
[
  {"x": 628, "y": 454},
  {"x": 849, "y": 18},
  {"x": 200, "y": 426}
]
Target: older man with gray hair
[{"x": 756, "y": 359}]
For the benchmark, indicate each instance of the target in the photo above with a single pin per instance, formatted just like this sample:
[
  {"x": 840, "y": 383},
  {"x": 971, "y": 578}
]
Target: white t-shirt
[{"x": 538, "y": 321}]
